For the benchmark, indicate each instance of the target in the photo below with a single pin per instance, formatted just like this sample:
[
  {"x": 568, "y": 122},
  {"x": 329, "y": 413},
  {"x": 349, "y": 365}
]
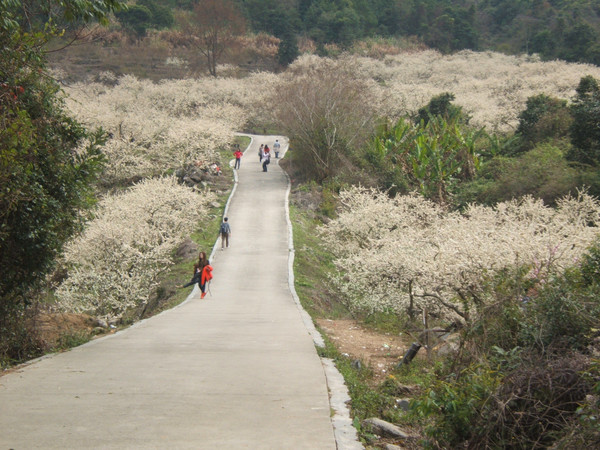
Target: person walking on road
[
  {"x": 238, "y": 157},
  {"x": 202, "y": 274},
  {"x": 225, "y": 232},
  {"x": 276, "y": 148},
  {"x": 266, "y": 159},
  {"x": 261, "y": 152}
]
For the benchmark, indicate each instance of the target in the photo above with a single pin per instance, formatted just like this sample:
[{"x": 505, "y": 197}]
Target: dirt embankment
[{"x": 380, "y": 351}]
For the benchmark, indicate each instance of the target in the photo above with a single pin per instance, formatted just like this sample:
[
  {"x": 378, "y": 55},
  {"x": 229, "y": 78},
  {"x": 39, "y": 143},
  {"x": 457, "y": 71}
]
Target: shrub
[
  {"x": 441, "y": 105},
  {"x": 113, "y": 266},
  {"x": 393, "y": 254},
  {"x": 327, "y": 111},
  {"x": 544, "y": 118},
  {"x": 135, "y": 17},
  {"x": 431, "y": 156},
  {"x": 585, "y": 135},
  {"x": 456, "y": 402},
  {"x": 542, "y": 172}
]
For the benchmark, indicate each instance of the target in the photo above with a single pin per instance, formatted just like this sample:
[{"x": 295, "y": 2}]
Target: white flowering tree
[
  {"x": 493, "y": 88},
  {"x": 405, "y": 254},
  {"x": 113, "y": 266},
  {"x": 157, "y": 127}
]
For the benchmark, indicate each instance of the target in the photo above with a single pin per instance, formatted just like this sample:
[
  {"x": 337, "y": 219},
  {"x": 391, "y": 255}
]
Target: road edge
[{"x": 346, "y": 436}]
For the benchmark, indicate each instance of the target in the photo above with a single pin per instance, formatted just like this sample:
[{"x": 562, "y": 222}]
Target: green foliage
[
  {"x": 585, "y": 133},
  {"x": 73, "y": 338},
  {"x": 367, "y": 400},
  {"x": 560, "y": 315},
  {"x": 37, "y": 16},
  {"x": 590, "y": 267},
  {"x": 272, "y": 17},
  {"x": 542, "y": 172},
  {"x": 453, "y": 29},
  {"x": 457, "y": 401},
  {"x": 332, "y": 21},
  {"x": 135, "y": 18},
  {"x": 544, "y": 118},
  {"x": 48, "y": 163},
  {"x": 431, "y": 156},
  {"x": 288, "y": 49},
  {"x": 441, "y": 105},
  {"x": 161, "y": 16}
]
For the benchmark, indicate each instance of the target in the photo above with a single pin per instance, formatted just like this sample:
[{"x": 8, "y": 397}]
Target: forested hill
[{"x": 563, "y": 29}]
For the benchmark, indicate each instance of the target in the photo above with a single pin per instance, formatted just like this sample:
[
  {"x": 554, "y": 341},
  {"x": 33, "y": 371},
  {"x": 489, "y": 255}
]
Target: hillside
[{"x": 554, "y": 29}]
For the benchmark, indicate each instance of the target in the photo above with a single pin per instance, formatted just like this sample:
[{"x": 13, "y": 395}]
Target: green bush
[
  {"x": 542, "y": 172},
  {"x": 136, "y": 18},
  {"x": 441, "y": 106},
  {"x": 72, "y": 339},
  {"x": 432, "y": 156},
  {"x": 456, "y": 402},
  {"x": 585, "y": 133},
  {"x": 543, "y": 119}
]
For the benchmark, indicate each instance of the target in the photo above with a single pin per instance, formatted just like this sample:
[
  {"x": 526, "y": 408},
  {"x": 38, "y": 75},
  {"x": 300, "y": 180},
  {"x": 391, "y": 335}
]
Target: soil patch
[
  {"x": 380, "y": 351},
  {"x": 51, "y": 327}
]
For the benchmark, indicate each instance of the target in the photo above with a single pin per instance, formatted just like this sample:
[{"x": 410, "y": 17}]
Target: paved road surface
[{"x": 237, "y": 369}]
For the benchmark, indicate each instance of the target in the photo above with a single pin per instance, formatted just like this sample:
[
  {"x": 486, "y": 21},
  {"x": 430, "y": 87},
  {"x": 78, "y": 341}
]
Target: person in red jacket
[
  {"x": 205, "y": 279},
  {"x": 238, "y": 157},
  {"x": 202, "y": 274}
]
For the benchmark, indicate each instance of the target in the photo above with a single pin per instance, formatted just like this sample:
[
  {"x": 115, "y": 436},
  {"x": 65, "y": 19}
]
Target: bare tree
[
  {"x": 327, "y": 112},
  {"x": 213, "y": 25}
]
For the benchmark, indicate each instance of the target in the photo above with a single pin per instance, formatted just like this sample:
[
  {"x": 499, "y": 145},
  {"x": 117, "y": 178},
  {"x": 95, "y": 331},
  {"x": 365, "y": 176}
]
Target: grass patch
[
  {"x": 72, "y": 338},
  {"x": 312, "y": 264},
  {"x": 242, "y": 141},
  {"x": 167, "y": 294},
  {"x": 368, "y": 400}
]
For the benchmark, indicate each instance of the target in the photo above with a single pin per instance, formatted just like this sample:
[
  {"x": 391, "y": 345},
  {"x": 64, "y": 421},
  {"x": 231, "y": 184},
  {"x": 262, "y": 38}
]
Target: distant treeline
[{"x": 563, "y": 29}]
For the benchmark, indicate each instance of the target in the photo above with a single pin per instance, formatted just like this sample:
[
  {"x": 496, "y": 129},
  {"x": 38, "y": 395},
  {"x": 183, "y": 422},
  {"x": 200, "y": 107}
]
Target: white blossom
[
  {"x": 156, "y": 127},
  {"x": 492, "y": 87},
  {"x": 113, "y": 266},
  {"x": 389, "y": 249}
]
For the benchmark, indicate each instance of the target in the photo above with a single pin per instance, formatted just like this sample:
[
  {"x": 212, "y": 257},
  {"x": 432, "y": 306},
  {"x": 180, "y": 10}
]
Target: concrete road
[{"x": 237, "y": 369}]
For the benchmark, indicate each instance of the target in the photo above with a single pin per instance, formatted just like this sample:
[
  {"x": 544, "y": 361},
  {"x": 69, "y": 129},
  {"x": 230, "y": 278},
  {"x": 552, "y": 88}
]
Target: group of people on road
[
  {"x": 264, "y": 154},
  {"x": 202, "y": 272}
]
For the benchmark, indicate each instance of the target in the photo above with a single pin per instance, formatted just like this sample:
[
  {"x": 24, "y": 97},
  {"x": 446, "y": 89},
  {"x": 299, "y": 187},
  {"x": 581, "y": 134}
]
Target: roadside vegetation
[{"x": 444, "y": 241}]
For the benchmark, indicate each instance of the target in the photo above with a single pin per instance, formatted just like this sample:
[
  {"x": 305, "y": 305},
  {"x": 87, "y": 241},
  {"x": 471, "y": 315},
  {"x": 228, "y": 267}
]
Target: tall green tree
[
  {"x": 47, "y": 160},
  {"x": 288, "y": 48},
  {"x": 271, "y": 16},
  {"x": 543, "y": 118},
  {"x": 136, "y": 18},
  {"x": 585, "y": 129}
]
